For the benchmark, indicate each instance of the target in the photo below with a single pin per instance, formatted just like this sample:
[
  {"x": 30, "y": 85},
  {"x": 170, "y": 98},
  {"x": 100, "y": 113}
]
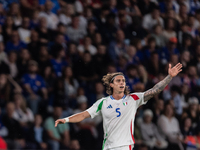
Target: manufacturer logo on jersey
[{"x": 109, "y": 106}]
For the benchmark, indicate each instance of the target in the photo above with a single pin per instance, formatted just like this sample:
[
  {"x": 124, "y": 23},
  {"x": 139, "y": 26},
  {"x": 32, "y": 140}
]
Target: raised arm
[
  {"x": 74, "y": 118},
  {"x": 162, "y": 84}
]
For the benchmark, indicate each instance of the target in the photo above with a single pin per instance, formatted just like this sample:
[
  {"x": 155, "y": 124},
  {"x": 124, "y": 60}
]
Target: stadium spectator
[
  {"x": 33, "y": 84},
  {"x": 58, "y": 62},
  {"x": 150, "y": 134},
  {"x": 57, "y": 139},
  {"x": 15, "y": 43},
  {"x": 37, "y": 140},
  {"x": 170, "y": 48},
  {"x": 3, "y": 55},
  {"x": 131, "y": 55},
  {"x": 117, "y": 47},
  {"x": 12, "y": 63},
  {"x": 157, "y": 110},
  {"x": 101, "y": 59},
  {"x": 74, "y": 145},
  {"x": 33, "y": 46},
  {"x": 22, "y": 63},
  {"x": 132, "y": 76},
  {"x": 170, "y": 29},
  {"x": 158, "y": 35},
  {"x": 169, "y": 127},
  {"x": 42, "y": 30},
  {"x": 43, "y": 58},
  {"x": 152, "y": 19},
  {"x": 14, "y": 139},
  {"x": 142, "y": 73},
  {"x": 7, "y": 88},
  {"x": 85, "y": 69},
  {"x": 7, "y": 28},
  {"x": 97, "y": 37},
  {"x": 3, "y": 129},
  {"x": 87, "y": 46},
  {"x": 65, "y": 15},
  {"x": 150, "y": 48},
  {"x": 22, "y": 113},
  {"x": 24, "y": 31},
  {"x": 75, "y": 32},
  {"x": 109, "y": 29},
  {"x": 85, "y": 130},
  {"x": 192, "y": 112},
  {"x": 14, "y": 12},
  {"x": 71, "y": 85},
  {"x": 52, "y": 19}
]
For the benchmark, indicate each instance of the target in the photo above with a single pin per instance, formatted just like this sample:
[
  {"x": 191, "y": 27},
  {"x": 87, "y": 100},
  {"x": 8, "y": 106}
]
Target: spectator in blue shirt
[
  {"x": 171, "y": 48},
  {"x": 7, "y": 3},
  {"x": 15, "y": 43},
  {"x": 132, "y": 76},
  {"x": 33, "y": 84},
  {"x": 55, "y": 7},
  {"x": 58, "y": 63}
]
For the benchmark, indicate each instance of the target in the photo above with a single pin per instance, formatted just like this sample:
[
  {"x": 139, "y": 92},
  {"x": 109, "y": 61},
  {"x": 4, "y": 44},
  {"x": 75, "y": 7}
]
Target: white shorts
[{"x": 127, "y": 147}]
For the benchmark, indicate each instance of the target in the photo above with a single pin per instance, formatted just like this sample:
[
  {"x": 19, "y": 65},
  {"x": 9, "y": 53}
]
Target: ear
[{"x": 111, "y": 85}]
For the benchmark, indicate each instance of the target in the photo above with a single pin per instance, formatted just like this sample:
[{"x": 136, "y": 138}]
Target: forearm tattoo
[{"x": 157, "y": 88}]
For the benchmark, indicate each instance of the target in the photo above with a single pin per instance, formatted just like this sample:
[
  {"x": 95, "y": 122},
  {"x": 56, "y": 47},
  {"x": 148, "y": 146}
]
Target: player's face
[{"x": 118, "y": 84}]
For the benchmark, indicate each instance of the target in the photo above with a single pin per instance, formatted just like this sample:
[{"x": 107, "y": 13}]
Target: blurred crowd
[{"x": 53, "y": 54}]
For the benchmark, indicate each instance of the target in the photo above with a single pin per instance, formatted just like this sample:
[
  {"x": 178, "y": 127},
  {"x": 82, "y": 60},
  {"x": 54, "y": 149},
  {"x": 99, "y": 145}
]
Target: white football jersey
[{"x": 118, "y": 118}]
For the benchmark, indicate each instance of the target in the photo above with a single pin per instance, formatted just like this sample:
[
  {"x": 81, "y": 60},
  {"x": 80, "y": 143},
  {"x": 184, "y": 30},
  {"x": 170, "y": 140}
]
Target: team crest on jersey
[{"x": 125, "y": 102}]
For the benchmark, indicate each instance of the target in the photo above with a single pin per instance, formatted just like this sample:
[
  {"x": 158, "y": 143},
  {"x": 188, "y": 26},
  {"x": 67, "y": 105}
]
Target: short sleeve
[
  {"x": 25, "y": 79},
  {"x": 139, "y": 98},
  {"x": 63, "y": 127},
  {"x": 95, "y": 109},
  {"x": 42, "y": 82},
  {"x": 48, "y": 125}
]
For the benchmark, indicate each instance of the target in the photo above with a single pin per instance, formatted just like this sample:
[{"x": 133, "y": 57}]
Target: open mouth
[{"x": 121, "y": 87}]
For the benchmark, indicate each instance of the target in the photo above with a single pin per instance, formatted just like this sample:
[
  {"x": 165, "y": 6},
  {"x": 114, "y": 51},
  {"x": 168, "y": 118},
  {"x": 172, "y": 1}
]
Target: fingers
[
  {"x": 56, "y": 123},
  {"x": 170, "y": 66},
  {"x": 178, "y": 65},
  {"x": 180, "y": 70}
]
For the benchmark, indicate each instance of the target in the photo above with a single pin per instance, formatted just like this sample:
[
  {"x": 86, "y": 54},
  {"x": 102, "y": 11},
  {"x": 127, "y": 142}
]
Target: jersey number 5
[{"x": 117, "y": 111}]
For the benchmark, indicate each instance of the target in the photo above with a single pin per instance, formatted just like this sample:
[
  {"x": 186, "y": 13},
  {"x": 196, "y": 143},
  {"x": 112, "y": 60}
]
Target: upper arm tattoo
[{"x": 157, "y": 88}]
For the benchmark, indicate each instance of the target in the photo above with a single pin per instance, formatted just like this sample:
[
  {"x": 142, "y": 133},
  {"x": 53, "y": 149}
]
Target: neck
[
  {"x": 117, "y": 96},
  {"x": 37, "y": 125},
  {"x": 186, "y": 128}
]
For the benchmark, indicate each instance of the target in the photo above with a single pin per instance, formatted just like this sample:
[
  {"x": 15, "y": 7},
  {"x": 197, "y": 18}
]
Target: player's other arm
[
  {"x": 74, "y": 118},
  {"x": 172, "y": 72}
]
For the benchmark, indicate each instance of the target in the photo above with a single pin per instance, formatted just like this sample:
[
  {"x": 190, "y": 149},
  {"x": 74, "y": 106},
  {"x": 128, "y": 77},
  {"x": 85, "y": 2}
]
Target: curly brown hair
[{"x": 107, "y": 80}]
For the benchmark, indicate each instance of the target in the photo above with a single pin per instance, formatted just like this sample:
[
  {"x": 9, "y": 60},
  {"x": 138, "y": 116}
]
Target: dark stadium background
[{"x": 53, "y": 54}]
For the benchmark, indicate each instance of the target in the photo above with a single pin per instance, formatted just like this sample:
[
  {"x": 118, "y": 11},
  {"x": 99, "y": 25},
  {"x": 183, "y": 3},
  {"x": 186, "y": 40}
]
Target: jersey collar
[{"x": 114, "y": 99}]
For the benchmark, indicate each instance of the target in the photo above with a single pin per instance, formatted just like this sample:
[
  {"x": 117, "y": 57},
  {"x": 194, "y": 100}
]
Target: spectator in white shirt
[
  {"x": 87, "y": 46},
  {"x": 3, "y": 55},
  {"x": 74, "y": 32},
  {"x": 52, "y": 19},
  {"x": 22, "y": 113},
  {"x": 14, "y": 12},
  {"x": 65, "y": 16},
  {"x": 169, "y": 126},
  {"x": 150, "y": 134},
  {"x": 169, "y": 30},
  {"x": 24, "y": 32},
  {"x": 12, "y": 63},
  {"x": 151, "y": 19}
]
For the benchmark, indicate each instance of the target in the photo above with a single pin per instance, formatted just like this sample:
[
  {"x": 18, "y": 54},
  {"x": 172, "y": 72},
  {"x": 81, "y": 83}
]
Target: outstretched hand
[
  {"x": 175, "y": 70},
  {"x": 59, "y": 121}
]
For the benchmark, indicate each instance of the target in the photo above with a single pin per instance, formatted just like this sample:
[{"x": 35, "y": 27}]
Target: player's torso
[{"x": 118, "y": 117}]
